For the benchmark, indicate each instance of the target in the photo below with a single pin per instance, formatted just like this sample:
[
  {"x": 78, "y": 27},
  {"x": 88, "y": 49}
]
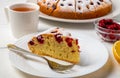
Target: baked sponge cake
[
  {"x": 56, "y": 43},
  {"x": 75, "y": 9},
  {"x": 47, "y": 6}
]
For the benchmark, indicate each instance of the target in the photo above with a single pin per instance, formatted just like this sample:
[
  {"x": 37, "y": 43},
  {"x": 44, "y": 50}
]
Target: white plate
[
  {"x": 92, "y": 57},
  {"x": 115, "y": 12}
]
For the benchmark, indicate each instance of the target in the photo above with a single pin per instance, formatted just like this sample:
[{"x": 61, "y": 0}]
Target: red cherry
[
  {"x": 76, "y": 41},
  {"x": 58, "y": 38},
  {"x": 112, "y": 37},
  {"x": 40, "y": 39},
  {"x": 69, "y": 41},
  {"x": 31, "y": 42},
  {"x": 112, "y": 27},
  {"x": 102, "y": 23},
  {"x": 108, "y": 21}
]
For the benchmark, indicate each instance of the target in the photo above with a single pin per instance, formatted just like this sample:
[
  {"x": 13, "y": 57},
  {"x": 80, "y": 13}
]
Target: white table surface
[{"x": 110, "y": 70}]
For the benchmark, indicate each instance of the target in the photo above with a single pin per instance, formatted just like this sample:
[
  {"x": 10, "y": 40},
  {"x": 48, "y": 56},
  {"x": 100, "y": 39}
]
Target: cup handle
[{"x": 6, "y": 13}]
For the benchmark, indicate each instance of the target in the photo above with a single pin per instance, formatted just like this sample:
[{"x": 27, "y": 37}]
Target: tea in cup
[{"x": 23, "y": 18}]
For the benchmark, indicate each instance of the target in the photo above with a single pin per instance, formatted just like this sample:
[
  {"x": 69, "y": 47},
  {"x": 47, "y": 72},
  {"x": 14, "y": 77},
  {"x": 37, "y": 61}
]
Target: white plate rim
[
  {"x": 115, "y": 12},
  {"x": 36, "y": 74}
]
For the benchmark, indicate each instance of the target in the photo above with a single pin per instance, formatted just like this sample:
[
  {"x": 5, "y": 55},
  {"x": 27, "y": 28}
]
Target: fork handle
[{"x": 19, "y": 50}]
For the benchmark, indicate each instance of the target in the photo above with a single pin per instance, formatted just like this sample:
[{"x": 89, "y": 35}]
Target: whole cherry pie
[{"x": 75, "y": 9}]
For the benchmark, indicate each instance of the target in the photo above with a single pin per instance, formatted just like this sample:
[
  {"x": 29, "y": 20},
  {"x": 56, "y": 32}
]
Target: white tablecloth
[{"x": 110, "y": 70}]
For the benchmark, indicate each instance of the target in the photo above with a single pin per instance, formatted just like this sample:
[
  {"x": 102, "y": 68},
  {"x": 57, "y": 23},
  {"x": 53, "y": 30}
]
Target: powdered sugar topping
[
  {"x": 49, "y": 3},
  {"x": 75, "y": 5},
  {"x": 89, "y": 5},
  {"x": 67, "y": 5},
  {"x": 56, "y": 30}
]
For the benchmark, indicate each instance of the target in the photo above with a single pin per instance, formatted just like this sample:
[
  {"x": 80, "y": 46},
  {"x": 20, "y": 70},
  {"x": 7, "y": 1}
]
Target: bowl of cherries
[{"x": 108, "y": 29}]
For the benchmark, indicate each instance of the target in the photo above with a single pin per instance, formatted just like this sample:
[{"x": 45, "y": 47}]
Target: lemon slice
[{"x": 116, "y": 50}]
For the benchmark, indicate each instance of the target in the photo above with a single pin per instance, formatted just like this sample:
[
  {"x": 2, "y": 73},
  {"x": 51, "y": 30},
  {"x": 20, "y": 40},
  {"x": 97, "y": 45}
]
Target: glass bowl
[{"x": 107, "y": 34}]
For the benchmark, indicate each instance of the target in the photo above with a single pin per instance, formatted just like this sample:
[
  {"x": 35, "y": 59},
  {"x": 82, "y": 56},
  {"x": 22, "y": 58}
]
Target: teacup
[{"x": 23, "y": 18}]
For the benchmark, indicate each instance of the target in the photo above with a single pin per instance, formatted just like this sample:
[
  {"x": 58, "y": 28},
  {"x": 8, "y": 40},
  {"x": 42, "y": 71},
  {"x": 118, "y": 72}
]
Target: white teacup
[{"x": 23, "y": 18}]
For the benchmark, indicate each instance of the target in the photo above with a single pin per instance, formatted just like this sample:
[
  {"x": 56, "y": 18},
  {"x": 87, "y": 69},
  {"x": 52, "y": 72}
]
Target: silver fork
[{"x": 52, "y": 64}]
